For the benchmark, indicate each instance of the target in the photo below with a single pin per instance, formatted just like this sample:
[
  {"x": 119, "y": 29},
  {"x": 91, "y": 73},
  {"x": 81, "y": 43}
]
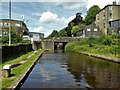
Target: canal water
[{"x": 72, "y": 70}]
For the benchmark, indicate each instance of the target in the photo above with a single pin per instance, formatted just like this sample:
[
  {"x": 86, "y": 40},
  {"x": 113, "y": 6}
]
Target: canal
[{"x": 72, "y": 70}]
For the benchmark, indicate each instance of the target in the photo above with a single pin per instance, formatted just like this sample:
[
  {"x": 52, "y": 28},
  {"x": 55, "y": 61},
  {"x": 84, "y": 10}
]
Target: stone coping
[{"x": 117, "y": 60}]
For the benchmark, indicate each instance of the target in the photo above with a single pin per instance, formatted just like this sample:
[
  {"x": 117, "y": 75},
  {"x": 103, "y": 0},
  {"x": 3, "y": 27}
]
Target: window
[
  {"x": 88, "y": 29},
  {"x": 17, "y": 24},
  {"x": 103, "y": 16},
  {"x": 104, "y": 25},
  {"x": 110, "y": 8},
  {"x": 95, "y": 30},
  {"x": 1, "y": 24},
  {"x": 5, "y": 33},
  {"x": 6, "y": 24},
  {"x": 110, "y": 15},
  {"x": 114, "y": 23},
  {"x": 118, "y": 23},
  {"x": 98, "y": 20}
]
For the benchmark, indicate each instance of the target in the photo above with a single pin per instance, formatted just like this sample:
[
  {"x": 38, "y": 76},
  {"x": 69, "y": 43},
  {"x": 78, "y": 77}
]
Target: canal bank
[
  {"x": 106, "y": 47},
  {"x": 116, "y": 60},
  {"x": 19, "y": 73}
]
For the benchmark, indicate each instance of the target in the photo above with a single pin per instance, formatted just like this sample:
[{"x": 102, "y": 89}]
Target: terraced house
[
  {"x": 18, "y": 26},
  {"x": 114, "y": 26},
  {"x": 105, "y": 16}
]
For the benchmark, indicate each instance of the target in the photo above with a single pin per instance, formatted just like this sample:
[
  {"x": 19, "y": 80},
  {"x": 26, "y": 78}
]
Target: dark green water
[{"x": 73, "y": 70}]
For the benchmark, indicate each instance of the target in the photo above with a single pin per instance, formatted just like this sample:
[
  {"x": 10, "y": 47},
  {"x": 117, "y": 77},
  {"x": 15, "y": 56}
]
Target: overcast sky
[{"x": 47, "y": 15}]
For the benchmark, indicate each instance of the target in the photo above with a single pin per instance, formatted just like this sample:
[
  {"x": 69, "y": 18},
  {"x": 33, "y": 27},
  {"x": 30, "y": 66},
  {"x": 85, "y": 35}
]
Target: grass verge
[
  {"x": 104, "y": 50},
  {"x": 17, "y": 71}
]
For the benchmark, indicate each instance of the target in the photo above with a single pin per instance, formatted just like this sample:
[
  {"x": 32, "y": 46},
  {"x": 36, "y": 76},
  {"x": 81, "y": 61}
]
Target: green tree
[
  {"x": 62, "y": 33},
  {"x": 54, "y": 34},
  {"x": 74, "y": 30},
  {"x": 15, "y": 38},
  {"x": 91, "y": 14},
  {"x": 69, "y": 28}
]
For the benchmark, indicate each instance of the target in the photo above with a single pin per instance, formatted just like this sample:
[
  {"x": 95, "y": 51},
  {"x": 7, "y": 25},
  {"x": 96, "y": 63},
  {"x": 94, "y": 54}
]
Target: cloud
[
  {"x": 71, "y": 5},
  {"x": 43, "y": 0},
  {"x": 38, "y": 29},
  {"x": 48, "y": 17},
  {"x": 50, "y": 21},
  {"x": 36, "y": 14},
  {"x": 100, "y": 3},
  {"x": 71, "y": 18}
]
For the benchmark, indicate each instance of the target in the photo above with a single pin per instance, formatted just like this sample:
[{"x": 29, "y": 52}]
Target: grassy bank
[
  {"x": 17, "y": 71},
  {"x": 105, "y": 45}
]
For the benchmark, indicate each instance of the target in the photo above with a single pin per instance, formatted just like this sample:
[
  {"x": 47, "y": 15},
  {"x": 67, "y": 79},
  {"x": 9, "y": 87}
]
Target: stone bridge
[{"x": 51, "y": 44}]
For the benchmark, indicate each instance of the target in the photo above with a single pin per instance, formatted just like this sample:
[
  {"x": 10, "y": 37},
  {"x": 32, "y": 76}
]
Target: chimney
[{"x": 114, "y": 2}]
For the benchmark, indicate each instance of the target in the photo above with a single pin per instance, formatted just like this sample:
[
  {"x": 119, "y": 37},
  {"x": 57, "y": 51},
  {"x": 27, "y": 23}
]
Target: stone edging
[
  {"x": 17, "y": 82},
  {"x": 117, "y": 60}
]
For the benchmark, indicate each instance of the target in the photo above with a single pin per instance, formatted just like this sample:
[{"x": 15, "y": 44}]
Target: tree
[
  {"x": 62, "y": 33},
  {"x": 74, "y": 30},
  {"x": 91, "y": 14},
  {"x": 69, "y": 28},
  {"x": 15, "y": 38},
  {"x": 54, "y": 34}
]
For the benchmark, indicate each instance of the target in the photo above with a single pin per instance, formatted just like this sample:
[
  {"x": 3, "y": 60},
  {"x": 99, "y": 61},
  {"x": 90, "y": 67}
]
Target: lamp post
[{"x": 9, "y": 22}]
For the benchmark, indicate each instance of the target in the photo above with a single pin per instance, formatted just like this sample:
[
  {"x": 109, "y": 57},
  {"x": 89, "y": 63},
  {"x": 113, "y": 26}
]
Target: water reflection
[
  {"x": 94, "y": 73},
  {"x": 72, "y": 70}
]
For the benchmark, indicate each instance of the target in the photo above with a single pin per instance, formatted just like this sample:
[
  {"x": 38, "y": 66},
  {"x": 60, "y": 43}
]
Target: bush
[
  {"x": 105, "y": 40},
  {"x": 83, "y": 42},
  {"x": 71, "y": 46},
  {"x": 81, "y": 48},
  {"x": 15, "y": 38},
  {"x": 102, "y": 45}
]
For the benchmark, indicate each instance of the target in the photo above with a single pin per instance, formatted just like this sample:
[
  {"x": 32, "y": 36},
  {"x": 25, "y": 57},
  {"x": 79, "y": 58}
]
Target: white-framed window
[
  {"x": 1, "y": 24},
  {"x": 95, "y": 29},
  {"x": 5, "y": 33},
  {"x": 6, "y": 24},
  {"x": 88, "y": 29},
  {"x": 17, "y": 24}
]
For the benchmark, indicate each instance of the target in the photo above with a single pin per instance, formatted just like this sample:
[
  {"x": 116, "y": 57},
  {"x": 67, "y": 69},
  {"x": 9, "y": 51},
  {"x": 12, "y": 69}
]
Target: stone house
[{"x": 90, "y": 30}]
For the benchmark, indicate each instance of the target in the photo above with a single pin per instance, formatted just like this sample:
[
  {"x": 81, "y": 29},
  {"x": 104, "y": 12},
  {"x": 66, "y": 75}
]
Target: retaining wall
[{"x": 14, "y": 51}]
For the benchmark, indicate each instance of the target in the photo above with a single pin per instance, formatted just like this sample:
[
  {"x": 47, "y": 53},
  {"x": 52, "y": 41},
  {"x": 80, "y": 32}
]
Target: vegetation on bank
[
  {"x": 104, "y": 45},
  {"x": 15, "y": 39},
  {"x": 17, "y": 71}
]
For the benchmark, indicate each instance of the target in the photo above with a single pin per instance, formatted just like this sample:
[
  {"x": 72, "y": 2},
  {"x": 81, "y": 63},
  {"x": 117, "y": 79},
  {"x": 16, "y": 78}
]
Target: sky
[{"x": 44, "y": 16}]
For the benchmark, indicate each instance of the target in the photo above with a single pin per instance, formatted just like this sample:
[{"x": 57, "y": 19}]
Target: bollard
[{"x": 6, "y": 71}]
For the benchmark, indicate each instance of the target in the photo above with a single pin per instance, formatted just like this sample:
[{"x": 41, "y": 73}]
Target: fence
[{"x": 14, "y": 51}]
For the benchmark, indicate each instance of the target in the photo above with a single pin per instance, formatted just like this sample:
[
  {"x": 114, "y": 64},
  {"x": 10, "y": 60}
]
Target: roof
[
  {"x": 11, "y": 20},
  {"x": 107, "y": 6},
  {"x": 115, "y": 20},
  {"x": 36, "y": 32}
]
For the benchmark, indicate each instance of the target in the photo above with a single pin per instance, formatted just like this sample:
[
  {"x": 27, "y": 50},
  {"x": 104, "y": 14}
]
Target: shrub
[{"x": 71, "y": 46}]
